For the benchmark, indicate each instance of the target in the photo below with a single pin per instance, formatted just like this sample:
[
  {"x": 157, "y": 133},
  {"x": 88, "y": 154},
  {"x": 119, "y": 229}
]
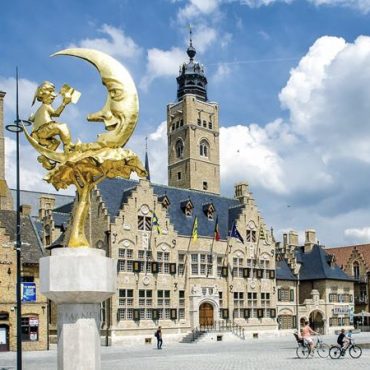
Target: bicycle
[
  {"x": 353, "y": 349},
  {"x": 304, "y": 350}
]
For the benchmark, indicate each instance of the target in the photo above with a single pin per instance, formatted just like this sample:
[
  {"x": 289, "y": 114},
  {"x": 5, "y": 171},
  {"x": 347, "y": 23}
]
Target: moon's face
[{"x": 112, "y": 114}]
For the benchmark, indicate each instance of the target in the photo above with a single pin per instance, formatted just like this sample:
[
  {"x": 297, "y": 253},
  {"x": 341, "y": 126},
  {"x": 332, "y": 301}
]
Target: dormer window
[
  {"x": 179, "y": 148},
  {"x": 164, "y": 200},
  {"x": 187, "y": 207},
  {"x": 209, "y": 210}
]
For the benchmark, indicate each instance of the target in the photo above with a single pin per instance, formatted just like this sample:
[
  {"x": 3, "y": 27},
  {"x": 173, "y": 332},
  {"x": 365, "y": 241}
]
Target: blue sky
[{"x": 291, "y": 78}]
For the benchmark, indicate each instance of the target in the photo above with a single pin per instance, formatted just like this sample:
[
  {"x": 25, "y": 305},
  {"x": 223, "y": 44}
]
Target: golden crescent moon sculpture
[
  {"x": 86, "y": 164},
  {"x": 120, "y": 112}
]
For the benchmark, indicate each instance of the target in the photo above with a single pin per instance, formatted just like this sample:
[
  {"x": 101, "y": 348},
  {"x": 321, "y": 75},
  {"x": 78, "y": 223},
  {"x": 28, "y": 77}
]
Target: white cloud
[
  {"x": 259, "y": 3},
  {"x": 249, "y": 157},
  {"x": 162, "y": 63},
  {"x": 160, "y": 134},
  {"x": 205, "y": 36},
  {"x": 308, "y": 78},
  {"x": 195, "y": 8},
  {"x": 222, "y": 72},
  {"x": 361, "y": 235},
  {"x": 26, "y": 90},
  {"x": 328, "y": 98},
  {"x": 114, "y": 43},
  {"x": 361, "y": 5}
]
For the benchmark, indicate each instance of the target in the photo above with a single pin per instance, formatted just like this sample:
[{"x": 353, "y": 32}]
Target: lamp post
[{"x": 17, "y": 129}]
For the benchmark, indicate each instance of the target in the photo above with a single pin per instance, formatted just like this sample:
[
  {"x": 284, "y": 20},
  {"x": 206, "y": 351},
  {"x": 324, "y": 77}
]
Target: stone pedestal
[{"x": 78, "y": 280}]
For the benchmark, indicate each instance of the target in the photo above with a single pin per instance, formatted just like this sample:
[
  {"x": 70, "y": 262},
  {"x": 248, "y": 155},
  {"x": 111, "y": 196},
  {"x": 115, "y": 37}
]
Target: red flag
[{"x": 217, "y": 231}]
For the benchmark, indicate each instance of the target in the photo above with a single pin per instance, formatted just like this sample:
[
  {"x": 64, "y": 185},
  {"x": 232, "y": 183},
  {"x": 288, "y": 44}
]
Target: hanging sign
[{"x": 28, "y": 292}]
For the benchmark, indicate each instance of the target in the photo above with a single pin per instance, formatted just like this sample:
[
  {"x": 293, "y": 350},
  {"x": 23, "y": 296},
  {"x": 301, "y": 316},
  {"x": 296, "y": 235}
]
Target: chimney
[
  {"x": 310, "y": 240},
  {"x": 242, "y": 192},
  {"x": 293, "y": 238},
  {"x": 25, "y": 210},
  {"x": 47, "y": 202}
]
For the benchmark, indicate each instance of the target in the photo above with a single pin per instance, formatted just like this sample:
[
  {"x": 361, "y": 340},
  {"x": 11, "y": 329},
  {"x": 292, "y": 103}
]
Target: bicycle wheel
[
  {"x": 334, "y": 352},
  {"x": 355, "y": 351},
  {"x": 323, "y": 350},
  {"x": 302, "y": 352}
]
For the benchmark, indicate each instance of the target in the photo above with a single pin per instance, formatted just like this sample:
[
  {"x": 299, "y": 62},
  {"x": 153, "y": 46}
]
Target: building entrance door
[
  {"x": 317, "y": 322},
  {"x": 4, "y": 338},
  {"x": 206, "y": 314}
]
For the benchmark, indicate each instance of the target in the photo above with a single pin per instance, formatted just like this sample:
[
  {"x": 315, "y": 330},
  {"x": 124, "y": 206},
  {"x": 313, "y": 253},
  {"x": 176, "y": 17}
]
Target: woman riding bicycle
[{"x": 306, "y": 335}]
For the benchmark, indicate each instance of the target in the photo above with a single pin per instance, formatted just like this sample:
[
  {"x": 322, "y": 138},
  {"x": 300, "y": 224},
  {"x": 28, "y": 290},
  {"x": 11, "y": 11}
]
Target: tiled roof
[
  {"x": 65, "y": 208},
  {"x": 342, "y": 254},
  {"x": 115, "y": 192},
  {"x": 316, "y": 265},
  {"x": 31, "y": 249},
  {"x": 61, "y": 219},
  {"x": 283, "y": 271}
]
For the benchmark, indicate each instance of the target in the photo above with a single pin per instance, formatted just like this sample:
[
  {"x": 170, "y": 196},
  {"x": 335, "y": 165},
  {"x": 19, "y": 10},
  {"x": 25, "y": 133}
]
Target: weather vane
[{"x": 87, "y": 164}]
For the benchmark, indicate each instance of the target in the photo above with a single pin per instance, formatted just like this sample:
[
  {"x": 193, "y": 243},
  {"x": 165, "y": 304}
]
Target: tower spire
[
  {"x": 191, "y": 79},
  {"x": 191, "y": 50},
  {"x": 147, "y": 159}
]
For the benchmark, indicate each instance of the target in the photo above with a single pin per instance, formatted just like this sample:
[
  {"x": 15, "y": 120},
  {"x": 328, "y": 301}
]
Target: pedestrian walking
[{"x": 158, "y": 335}]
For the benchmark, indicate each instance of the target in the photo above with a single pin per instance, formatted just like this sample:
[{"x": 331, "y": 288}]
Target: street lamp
[{"x": 17, "y": 128}]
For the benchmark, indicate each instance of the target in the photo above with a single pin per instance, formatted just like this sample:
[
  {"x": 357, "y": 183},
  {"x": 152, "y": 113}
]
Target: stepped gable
[
  {"x": 343, "y": 254},
  {"x": 115, "y": 192},
  {"x": 31, "y": 245},
  {"x": 316, "y": 265}
]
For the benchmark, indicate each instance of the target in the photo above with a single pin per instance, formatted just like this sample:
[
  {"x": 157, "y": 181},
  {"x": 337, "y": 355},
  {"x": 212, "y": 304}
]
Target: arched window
[
  {"x": 204, "y": 149},
  {"x": 356, "y": 270},
  {"x": 179, "y": 148}
]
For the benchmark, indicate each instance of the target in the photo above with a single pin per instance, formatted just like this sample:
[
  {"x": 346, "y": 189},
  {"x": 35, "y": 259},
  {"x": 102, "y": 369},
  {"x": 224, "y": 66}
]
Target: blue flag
[{"x": 234, "y": 233}]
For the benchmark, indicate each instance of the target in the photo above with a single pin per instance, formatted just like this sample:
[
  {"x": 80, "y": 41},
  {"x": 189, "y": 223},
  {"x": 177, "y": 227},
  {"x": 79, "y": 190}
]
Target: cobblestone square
[{"x": 265, "y": 354}]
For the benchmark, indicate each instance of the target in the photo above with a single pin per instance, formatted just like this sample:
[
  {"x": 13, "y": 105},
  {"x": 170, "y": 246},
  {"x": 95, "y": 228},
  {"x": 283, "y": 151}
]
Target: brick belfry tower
[
  {"x": 6, "y": 200},
  {"x": 193, "y": 132}
]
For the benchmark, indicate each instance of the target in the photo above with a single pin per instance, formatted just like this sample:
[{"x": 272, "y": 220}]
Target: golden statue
[{"x": 86, "y": 164}]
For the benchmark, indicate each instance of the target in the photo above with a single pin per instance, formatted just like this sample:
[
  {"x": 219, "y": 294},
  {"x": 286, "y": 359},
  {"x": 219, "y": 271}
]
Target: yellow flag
[{"x": 194, "y": 233}]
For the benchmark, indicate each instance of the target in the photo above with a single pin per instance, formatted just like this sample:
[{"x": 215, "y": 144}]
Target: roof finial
[
  {"x": 147, "y": 159},
  {"x": 190, "y": 35},
  {"x": 191, "y": 51}
]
